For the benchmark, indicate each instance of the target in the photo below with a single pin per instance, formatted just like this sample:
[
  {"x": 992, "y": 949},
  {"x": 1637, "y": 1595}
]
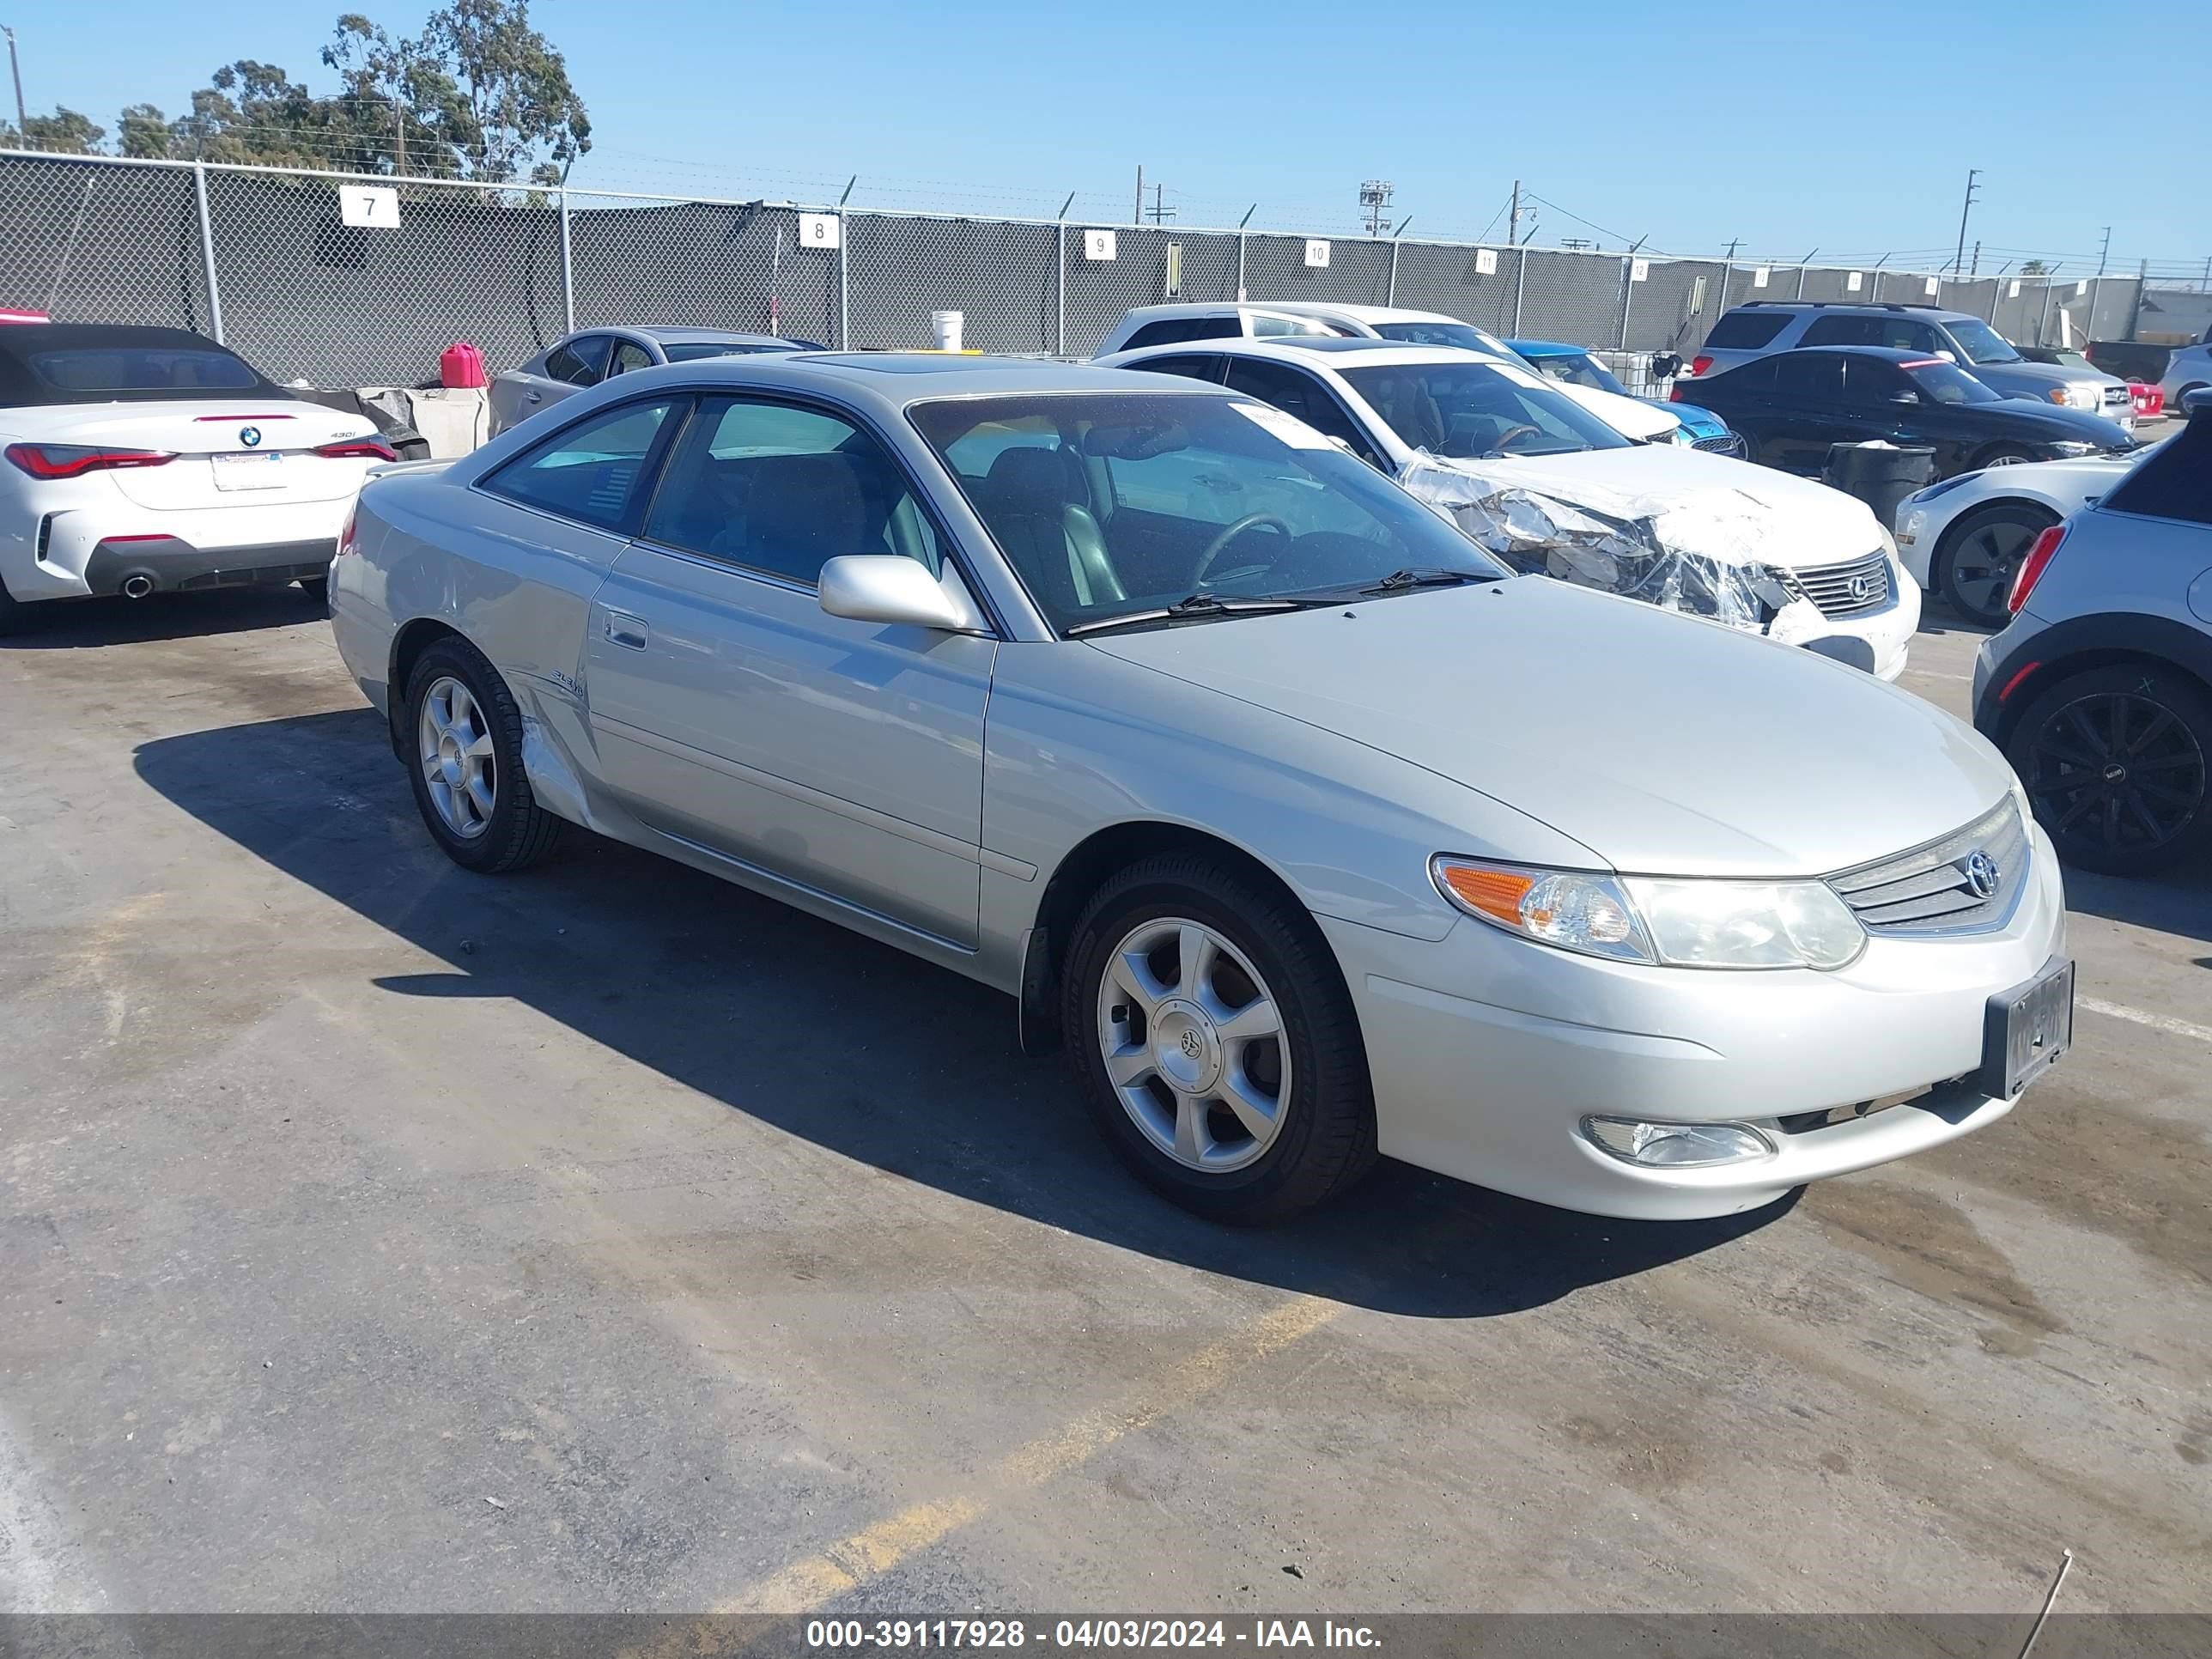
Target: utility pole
[
  {"x": 1375, "y": 202},
  {"x": 2104, "y": 252},
  {"x": 1959, "y": 262},
  {"x": 1161, "y": 211},
  {"x": 1140, "y": 219},
  {"x": 1977, "y": 269},
  {"x": 15, "y": 69},
  {"x": 1513, "y": 220},
  {"x": 399, "y": 142},
  {"x": 1735, "y": 242}
]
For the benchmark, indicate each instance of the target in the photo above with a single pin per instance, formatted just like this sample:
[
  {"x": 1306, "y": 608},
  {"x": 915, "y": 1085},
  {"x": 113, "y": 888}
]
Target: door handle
[
  {"x": 624, "y": 629},
  {"x": 533, "y": 397}
]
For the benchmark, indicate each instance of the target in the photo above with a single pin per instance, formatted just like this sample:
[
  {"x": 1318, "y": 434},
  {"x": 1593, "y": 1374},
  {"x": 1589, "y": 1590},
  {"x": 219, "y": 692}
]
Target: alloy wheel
[
  {"x": 1984, "y": 563},
  {"x": 455, "y": 749},
  {"x": 1194, "y": 1045},
  {"x": 2118, "y": 771}
]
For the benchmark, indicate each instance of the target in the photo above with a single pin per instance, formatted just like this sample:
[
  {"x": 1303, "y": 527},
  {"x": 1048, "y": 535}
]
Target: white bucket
[{"x": 945, "y": 328}]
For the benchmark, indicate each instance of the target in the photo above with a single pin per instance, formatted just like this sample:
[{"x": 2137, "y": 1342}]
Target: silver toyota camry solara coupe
[{"x": 1307, "y": 831}]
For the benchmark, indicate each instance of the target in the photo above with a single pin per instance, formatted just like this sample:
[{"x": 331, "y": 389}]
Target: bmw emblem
[
  {"x": 1983, "y": 875},
  {"x": 250, "y": 436}
]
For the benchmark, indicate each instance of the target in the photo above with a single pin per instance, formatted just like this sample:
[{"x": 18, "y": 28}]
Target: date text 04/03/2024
[{"x": 832, "y": 1634}]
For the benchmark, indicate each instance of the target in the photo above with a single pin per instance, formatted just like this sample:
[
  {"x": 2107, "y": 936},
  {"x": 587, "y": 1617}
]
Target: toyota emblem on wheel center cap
[
  {"x": 1983, "y": 875},
  {"x": 249, "y": 436}
]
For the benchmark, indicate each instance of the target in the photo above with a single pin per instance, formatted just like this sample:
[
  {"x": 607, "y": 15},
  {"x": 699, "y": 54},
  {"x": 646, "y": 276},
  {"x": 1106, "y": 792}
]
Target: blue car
[{"x": 1701, "y": 429}]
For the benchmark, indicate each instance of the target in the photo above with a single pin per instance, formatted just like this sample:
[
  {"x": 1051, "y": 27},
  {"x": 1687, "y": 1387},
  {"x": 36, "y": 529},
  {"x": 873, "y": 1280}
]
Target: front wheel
[
  {"x": 1980, "y": 556},
  {"x": 2115, "y": 762},
  {"x": 1217, "y": 1044},
  {"x": 466, "y": 761}
]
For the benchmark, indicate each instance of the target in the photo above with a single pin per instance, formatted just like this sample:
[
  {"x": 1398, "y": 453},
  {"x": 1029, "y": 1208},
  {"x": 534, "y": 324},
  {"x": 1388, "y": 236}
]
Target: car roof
[
  {"x": 1888, "y": 354},
  {"x": 1357, "y": 353},
  {"x": 1209, "y": 309},
  {"x": 1360, "y": 312},
  {"x": 898, "y": 378},
  {"x": 1939, "y": 313},
  {"x": 692, "y": 336},
  {"x": 36, "y": 337},
  {"x": 1548, "y": 349}
]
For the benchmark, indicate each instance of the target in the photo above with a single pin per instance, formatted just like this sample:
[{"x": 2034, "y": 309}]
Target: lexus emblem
[
  {"x": 249, "y": 436},
  {"x": 1862, "y": 587},
  {"x": 1983, "y": 875}
]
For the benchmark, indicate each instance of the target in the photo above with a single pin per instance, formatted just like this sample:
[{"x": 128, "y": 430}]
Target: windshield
[
  {"x": 1579, "y": 368},
  {"x": 1466, "y": 336},
  {"x": 1982, "y": 344},
  {"x": 690, "y": 351},
  {"x": 1944, "y": 383},
  {"x": 1478, "y": 411},
  {"x": 1110, "y": 503}
]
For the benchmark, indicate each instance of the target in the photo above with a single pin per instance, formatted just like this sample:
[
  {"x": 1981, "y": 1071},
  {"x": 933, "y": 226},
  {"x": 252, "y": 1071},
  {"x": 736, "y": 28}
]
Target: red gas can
[{"x": 460, "y": 364}]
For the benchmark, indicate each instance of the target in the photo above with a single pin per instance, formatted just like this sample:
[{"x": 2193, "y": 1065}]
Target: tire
[
  {"x": 1980, "y": 555},
  {"x": 1750, "y": 450},
  {"x": 515, "y": 832},
  {"x": 2151, "y": 722},
  {"x": 1309, "y": 1077}
]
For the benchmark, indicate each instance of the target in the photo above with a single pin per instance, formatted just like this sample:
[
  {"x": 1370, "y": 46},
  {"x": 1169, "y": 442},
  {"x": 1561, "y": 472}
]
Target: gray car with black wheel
[
  {"x": 2100, "y": 688},
  {"x": 1306, "y": 829}
]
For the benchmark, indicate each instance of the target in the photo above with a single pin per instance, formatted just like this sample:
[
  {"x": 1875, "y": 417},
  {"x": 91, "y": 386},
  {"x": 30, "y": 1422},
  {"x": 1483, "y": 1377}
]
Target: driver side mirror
[
  {"x": 885, "y": 588},
  {"x": 1904, "y": 397}
]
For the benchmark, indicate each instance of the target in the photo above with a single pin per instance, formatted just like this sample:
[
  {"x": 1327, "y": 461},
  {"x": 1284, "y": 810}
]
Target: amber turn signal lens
[{"x": 1495, "y": 893}]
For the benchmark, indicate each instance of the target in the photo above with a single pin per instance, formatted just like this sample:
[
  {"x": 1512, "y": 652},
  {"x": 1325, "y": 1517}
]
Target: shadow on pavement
[
  {"x": 849, "y": 1044},
  {"x": 2178, "y": 901},
  {"x": 82, "y": 624}
]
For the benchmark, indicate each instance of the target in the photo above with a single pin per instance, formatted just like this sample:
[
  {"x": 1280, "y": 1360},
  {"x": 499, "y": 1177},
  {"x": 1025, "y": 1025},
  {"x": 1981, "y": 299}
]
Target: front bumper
[
  {"x": 1488, "y": 1051},
  {"x": 80, "y": 554},
  {"x": 1877, "y": 641}
]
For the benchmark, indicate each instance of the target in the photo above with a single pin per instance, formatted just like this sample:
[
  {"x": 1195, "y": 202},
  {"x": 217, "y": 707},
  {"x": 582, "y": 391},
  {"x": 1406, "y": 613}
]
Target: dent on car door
[{"x": 733, "y": 714}]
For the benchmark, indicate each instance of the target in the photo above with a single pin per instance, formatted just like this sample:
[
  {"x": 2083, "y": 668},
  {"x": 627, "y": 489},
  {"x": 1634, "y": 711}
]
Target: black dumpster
[{"x": 1880, "y": 474}]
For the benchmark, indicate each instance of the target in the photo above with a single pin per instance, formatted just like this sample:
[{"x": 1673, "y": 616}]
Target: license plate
[
  {"x": 2026, "y": 1028},
  {"x": 249, "y": 471}
]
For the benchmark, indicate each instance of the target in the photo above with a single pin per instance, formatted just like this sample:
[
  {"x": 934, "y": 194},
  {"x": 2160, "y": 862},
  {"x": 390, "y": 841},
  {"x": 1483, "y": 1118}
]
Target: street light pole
[{"x": 15, "y": 69}]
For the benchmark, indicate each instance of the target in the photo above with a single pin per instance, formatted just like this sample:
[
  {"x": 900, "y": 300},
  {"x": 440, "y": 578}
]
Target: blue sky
[{"x": 1851, "y": 129}]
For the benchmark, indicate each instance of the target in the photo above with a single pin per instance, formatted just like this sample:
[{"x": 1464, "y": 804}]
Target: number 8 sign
[{"x": 817, "y": 230}]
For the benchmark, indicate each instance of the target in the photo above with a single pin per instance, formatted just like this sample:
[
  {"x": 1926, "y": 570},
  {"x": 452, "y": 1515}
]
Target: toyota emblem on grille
[
  {"x": 1983, "y": 875},
  {"x": 1862, "y": 587},
  {"x": 249, "y": 436}
]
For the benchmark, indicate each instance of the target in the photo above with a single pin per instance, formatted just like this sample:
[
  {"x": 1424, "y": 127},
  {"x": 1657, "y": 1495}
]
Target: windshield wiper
[
  {"x": 1206, "y": 605},
  {"x": 1435, "y": 576}
]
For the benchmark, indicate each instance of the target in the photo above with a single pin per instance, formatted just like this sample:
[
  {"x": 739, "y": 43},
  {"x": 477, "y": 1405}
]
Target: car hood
[
  {"x": 2024, "y": 375},
  {"x": 1632, "y": 418},
  {"x": 1664, "y": 744},
  {"x": 1701, "y": 421},
  {"x": 1714, "y": 505}
]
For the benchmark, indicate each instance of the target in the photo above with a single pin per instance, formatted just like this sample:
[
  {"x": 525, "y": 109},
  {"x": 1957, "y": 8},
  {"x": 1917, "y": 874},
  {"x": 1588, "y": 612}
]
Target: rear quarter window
[
  {"x": 1748, "y": 330},
  {"x": 2176, "y": 483}
]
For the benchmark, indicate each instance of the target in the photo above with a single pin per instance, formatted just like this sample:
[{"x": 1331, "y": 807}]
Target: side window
[
  {"x": 1265, "y": 327},
  {"x": 2172, "y": 481},
  {"x": 580, "y": 362},
  {"x": 1175, "y": 329},
  {"x": 1869, "y": 381},
  {"x": 1812, "y": 377},
  {"x": 1193, "y": 367},
  {"x": 782, "y": 490},
  {"x": 628, "y": 355},
  {"x": 1841, "y": 328},
  {"x": 1748, "y": 330},
  {"x": 1926, "y": 336},
  {"x": 591, "y": 471},
  {"x": 1298, "y": 393}
]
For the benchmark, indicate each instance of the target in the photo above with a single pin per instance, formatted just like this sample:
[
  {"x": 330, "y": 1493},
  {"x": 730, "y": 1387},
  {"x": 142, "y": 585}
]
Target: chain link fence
[{"x": 272, "y": 263}]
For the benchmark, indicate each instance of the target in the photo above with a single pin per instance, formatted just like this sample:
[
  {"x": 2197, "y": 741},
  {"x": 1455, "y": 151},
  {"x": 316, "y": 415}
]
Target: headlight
[
  {"x": 1943, "y": 488},
  {"x": 1678, "y": 923},
  {"x": 2067, "y": 449}
]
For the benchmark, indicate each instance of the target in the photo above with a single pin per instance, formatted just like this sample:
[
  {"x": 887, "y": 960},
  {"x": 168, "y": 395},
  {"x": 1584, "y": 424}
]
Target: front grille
[
  {"x": 1932, "y": 889},
  {"x": 1847, "y": 590},
  {"x": 2119, "y": 394},
  {"x": 1728, "y": 443}
]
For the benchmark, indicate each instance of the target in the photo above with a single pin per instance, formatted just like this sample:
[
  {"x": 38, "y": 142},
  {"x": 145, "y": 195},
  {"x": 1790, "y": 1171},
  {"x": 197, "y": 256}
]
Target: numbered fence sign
[
  {"x": 1639, "y": 271},
  {"x": 1758, "y": 276},
  {"x": 1316, "y": 254},
  {"x": 817, "y": 230},
  {"x": 1933, "y": 286},
  {"x": 2012, "y": 291},
  {"x": 1099, "y": 245},
  {"x": 1851, "y": 281},
  {"x": 370, "y": 204},
  {"x": 1486, "y": 262}
]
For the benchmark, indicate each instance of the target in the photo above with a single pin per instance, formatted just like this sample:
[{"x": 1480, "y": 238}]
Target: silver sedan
[
  {"x": 1305, "y": 830},
  {"x": 578, "y": 361}
]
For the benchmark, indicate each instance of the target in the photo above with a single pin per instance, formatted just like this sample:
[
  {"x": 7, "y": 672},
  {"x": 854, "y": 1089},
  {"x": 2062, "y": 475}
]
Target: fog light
[{"x": 1676, "y": 1145}]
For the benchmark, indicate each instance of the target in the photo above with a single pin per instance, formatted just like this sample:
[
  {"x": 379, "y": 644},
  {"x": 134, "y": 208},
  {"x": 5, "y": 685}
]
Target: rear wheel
[
  {"x": 1751, "y": 451},
  {"x": 466, "y": 764},
  {"x": 2003, "y": 455},
  {"x": 1978, "y": 558},
  {"x": 2115, "y": 762},
  {"x": 1217, "y": 1047}
]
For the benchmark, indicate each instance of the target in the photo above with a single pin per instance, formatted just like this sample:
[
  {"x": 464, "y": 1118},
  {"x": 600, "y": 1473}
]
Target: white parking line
[{"x": 2180, "y": 1028}]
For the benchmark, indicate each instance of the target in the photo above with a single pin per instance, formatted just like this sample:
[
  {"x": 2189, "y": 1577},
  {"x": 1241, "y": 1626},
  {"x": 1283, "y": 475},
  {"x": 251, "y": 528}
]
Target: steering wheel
[
  {"x": 1504, "y": 439},
  {"x": 1249, "y": 521}
]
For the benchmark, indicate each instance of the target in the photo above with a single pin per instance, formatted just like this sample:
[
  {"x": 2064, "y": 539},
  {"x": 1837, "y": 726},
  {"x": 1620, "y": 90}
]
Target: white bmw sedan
[
  {"x": 1303, "y": 826},
  {"x": 140, "y": 460}
]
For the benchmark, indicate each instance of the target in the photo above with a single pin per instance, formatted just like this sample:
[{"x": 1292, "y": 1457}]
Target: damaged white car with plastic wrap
[{"x": 1541, "y": 482}]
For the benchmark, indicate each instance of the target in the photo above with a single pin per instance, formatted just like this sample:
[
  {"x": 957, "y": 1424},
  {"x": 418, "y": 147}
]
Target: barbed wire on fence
[{"x": 265, "y": 258}]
